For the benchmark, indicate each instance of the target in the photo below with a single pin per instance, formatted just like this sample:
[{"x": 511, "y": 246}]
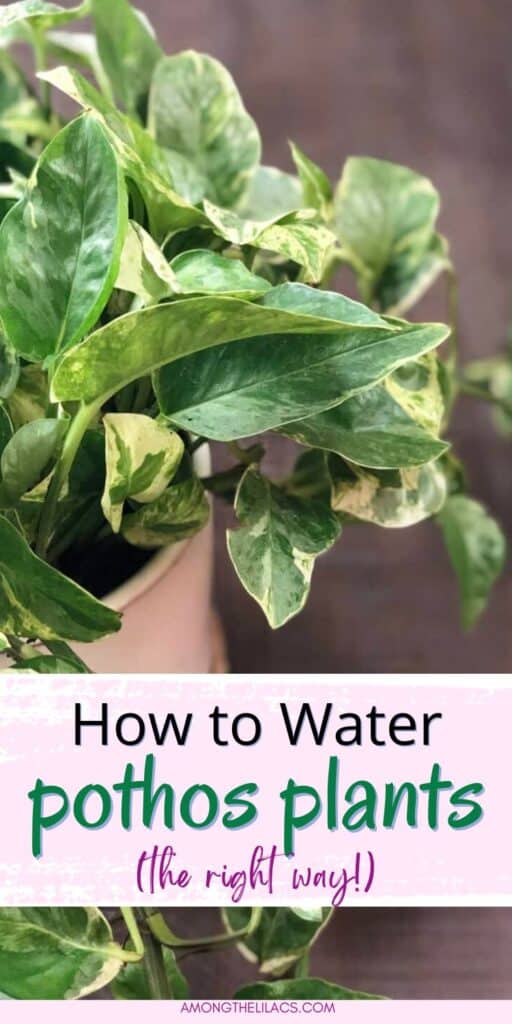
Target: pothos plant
[
  {"x": 72, "y": 953},
  {"x": 161, "y": 288}
]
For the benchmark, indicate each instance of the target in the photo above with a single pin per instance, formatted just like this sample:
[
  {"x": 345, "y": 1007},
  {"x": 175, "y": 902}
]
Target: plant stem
[
  {"x": 475, "y": 391},
  {"x": 70, "y": 448},
  {"x": 133, "y": 929},
  {"x": 154, "y": 966},
  {"x": 302, "y": 967},
  {"x": 163, "y": 933},
  {"x": 453, "y": 316}
]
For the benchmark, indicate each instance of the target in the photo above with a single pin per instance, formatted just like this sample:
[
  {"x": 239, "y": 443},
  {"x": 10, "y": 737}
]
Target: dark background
[
  {"x": 426, "y": 83},
  {"x": 429, "y": 84}
]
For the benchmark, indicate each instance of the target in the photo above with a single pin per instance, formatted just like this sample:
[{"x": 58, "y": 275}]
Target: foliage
[
  {"x": 51, "y": 953},
  {"x": 162, "y": 288}
]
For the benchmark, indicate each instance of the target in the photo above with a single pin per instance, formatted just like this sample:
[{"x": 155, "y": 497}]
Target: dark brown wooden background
[{"x": 427, "y": 83}]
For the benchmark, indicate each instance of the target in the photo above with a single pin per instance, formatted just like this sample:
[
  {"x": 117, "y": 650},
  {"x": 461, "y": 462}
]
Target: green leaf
[
  {"x": 477, "y": 551},
  {"x": 407, "y": 279},
  {"x": 9, "y": 369},
  {"x": 131, "y": 982},
  {"x": 143, "y": 162},
  {"x": 38, "y": 602},
  {"x": 28, "y": 456},
  {"x": 50, "y": 953},
  {"x": 128, "y": 50},
  {"x": 47, "y": 664},
  {"x": 275, "y": 548},
  {"x": 29, "y": 401},
  {"x": 299, "y": 989},
  {"x": 142, "y": 457},
  {"x": 69, "y": 229},
  {"x": 6, "y": 429},
  {"x": 179, "y": 513},
  {"x": 281, "y": 938},
  {"x": 234, "y": 391},
  {"x": 316, "y": 187},
  {"x": 17, "y": 103},
  {"x": 202, "y": 272},
  {"x": 272, "y": 194},
  {"x": 385, "y": 218},
  {"x": 389, "y": 498},
  {"x": 295, "y": 238},
  {"x": 391, "y": 426},
  {"x": 493, "y": 380},
  {"x": 113, "y": 356},
  {"x": 195, "y": 109},
  {"x": 144, "y": 270},
  {"x": 41, "y": 14}
]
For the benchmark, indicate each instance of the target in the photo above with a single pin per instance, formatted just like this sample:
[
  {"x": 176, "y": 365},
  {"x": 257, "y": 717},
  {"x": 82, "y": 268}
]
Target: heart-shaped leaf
[
  {"x": 27, "y": 457},
  {"x": 477, "y": 550},
  {"x": 275, "y": 548},
  {"x": 143, "y": 162},
  {"x": 180, "y": 512},
  {"x": 281, "y": 938},
  {"x": 195, "y": 109},
  {"x": 50, "y": 953},
  {"x": 141, "y": 457},
  {"x": 295, "y": 237},
  {"x": 128, "y": 50},
  {"x": 391, "y": 498},
  {"x": 299, "y": 989},
  {"x": 69, "y": 228},
  {"x": 202, "y": 272},
  {"x": 385, "y": 218},
  {"x": 37, "y": 601},
  {"x": 44, "y": 15}
]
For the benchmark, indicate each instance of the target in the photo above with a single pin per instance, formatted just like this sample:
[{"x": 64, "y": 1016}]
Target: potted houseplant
[
  {"x": 58, "y": 953},
  {"x": 163, "y": 290}
]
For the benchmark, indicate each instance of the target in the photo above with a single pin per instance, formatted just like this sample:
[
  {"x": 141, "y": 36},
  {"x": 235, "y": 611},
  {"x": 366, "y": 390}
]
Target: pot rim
[{"x": 146, "y": 578}]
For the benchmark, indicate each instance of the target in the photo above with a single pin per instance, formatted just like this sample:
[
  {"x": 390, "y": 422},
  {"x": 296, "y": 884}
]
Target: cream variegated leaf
[
  {"x": 180, "y": 512},
  {"x": 195, "y": 110},
  {"x": 390, "y": 498},
  {"x": 144, "y": 270},
  {"x": 384, "y": 217},
  {"x": 56, "y": 953},
  {"x": 142, "y": 456},
  {"x": 275, "y": 548}
]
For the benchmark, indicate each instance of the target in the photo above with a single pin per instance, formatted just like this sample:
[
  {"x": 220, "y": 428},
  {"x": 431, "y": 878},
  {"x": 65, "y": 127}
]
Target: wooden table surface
[{"x": 426, "y": 83}]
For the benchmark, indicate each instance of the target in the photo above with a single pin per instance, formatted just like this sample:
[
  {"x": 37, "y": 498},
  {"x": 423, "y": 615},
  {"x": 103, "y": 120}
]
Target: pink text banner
[{"x": 231, "y": 790}]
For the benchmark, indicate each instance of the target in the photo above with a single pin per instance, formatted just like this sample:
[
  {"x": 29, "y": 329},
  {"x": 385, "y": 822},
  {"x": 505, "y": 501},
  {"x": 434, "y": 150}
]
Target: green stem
[
  {"x": 70, "y": 448},
  {"x": 154, "y": 966},
  {"x": 133, "y": 930},
  {"x": 302, "y": 967},
  {"x": 18, "y": 650},
  {"x": 475, "y": 391},
  {"x": 163, "y": 933},
  {"x": 453, "y": 316}
]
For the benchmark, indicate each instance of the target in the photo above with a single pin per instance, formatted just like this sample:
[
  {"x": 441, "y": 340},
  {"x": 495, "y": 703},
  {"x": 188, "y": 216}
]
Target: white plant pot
[{"x": 168, "y": 624}]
